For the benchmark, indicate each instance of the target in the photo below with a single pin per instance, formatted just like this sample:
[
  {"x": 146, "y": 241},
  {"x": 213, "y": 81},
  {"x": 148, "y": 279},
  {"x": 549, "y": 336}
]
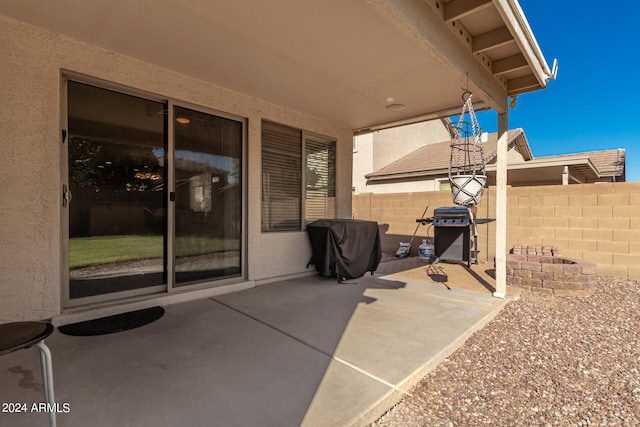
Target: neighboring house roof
[
  {"x": 433, "y": 160},
  {"x": 607, "y": 162},
  {"x": 582, "y": 168}
]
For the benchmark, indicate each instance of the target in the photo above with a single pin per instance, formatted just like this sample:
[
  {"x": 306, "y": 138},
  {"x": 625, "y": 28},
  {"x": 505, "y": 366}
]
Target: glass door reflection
[
  {"x": 208, "y": 196},
  {"x": 116, "y": 176}
]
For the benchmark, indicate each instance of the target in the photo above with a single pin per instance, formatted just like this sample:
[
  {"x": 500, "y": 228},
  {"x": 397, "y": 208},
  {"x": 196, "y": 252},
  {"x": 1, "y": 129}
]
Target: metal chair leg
[{"x": 47, "y": 379}]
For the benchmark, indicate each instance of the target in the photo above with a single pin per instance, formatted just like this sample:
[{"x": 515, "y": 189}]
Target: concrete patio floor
[{"x": 308, "y": 352}]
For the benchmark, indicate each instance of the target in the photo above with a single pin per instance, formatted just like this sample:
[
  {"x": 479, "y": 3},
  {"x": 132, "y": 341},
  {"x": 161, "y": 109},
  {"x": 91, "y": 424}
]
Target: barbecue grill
[{"x": 453, "y": 228}]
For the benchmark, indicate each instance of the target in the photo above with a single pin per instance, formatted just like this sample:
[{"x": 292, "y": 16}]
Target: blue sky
[{"x": 594, "y": 103}]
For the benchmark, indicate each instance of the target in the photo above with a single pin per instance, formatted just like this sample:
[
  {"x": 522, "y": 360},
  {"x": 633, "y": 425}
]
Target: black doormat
[{"x": 112, "y": 324}]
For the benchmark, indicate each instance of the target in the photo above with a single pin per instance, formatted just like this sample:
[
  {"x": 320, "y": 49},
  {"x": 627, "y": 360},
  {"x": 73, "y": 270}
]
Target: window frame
[
  {"x": 328, "y": 201},
  {"x": 301, "y": 179},
  {"x": 168, "y": 287},
  {"x": 443, "y": 184}
]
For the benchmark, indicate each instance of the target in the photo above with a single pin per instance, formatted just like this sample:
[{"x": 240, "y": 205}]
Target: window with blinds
[
  {"x": 320, "y": 178},
  {"x": 285, "y": 186},
  {"x": 281, "y": 177}
]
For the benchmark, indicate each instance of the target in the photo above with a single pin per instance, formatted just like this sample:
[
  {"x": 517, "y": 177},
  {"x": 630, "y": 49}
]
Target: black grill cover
[{"x": 344, "y": 248}]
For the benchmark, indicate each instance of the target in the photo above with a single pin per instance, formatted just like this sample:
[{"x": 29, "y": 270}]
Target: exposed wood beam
[
  {"x": 568, "y": 173},
  {"x": 521, "y": 83},
  {"x": 458, "y": 9},
  {"x": 512, "y": 63},
  {"x": 516, "y": 21},
  {"x": 421, "y": 22},
  {"x": 491, "y": 39}
]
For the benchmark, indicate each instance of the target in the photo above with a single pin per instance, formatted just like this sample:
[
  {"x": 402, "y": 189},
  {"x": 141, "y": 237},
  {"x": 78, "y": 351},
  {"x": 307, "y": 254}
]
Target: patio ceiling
[{"x": 359, "y": 63}]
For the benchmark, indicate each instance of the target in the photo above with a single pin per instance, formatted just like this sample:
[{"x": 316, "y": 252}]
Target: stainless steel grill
[
  {"x": 453, "y": 228},
  {"x": 456, "y": 216}
]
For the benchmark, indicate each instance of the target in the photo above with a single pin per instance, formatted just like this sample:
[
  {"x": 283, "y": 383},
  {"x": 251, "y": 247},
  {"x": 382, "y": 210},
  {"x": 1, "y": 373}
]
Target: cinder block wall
[{"x": 599, "y": 223}]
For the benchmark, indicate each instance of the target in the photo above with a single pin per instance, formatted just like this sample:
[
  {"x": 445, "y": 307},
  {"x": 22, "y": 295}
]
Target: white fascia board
[
  {"x": 541, "y": 163},
  {"x": 432, "y": 174},
  {"x": 514, "y": 17}
]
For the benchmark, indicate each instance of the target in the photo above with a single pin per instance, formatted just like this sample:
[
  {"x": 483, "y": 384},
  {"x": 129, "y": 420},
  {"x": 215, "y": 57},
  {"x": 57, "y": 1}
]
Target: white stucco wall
[
  {"x": 31, "y": 236},
  {"x": 513, "y": 156},
  {"x": 377, "y": 149},
  {"x": 394, "y": 143},
  {"x": 362, "y": 161},
  {"x": 412, "y": 186}
]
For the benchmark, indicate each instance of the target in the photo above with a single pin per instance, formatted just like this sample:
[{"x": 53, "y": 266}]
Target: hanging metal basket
[
  {"x": 467, "y": 190},
  {"x": 467, "y": 164}
]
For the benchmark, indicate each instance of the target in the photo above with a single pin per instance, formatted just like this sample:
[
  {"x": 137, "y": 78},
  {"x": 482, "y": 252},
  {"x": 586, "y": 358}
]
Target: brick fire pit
[{"x": 553, "y": 275}]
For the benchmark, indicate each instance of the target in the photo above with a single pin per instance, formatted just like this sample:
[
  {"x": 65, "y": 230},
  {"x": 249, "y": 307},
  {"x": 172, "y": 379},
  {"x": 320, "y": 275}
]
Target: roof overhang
[
  {"x": 546, "y": 171},
  {"x": 408, "y": 175},
  {"x": 581, "y": 170},
  {"x": 361, "y": 64}
]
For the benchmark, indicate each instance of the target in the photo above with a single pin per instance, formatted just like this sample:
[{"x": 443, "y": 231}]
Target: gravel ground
[{"x": 543, "y": 361}]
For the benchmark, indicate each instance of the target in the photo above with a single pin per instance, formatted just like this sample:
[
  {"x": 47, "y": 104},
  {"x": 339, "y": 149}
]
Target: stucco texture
[{"x": 32, "y": 235}]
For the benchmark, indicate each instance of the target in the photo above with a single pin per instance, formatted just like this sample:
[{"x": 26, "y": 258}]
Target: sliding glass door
[
  {"x": 208, "y": 196},
  {"x": 116, "y": 194},
  {"x": 153, "y": 195}
]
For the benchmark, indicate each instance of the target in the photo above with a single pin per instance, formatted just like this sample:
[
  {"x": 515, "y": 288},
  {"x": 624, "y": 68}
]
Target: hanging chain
[
  {"x": 460, "y": 133},
  {"x": 476, "y": 132},
  {"x": 467, "y": 175}
]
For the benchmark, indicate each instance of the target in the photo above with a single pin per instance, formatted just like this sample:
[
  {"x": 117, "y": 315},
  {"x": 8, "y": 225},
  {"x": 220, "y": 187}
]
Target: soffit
[
  {"x": 549, "y": 170},
  {"x": 606, "y": 162},
  {"x": 341, "y": 61}
]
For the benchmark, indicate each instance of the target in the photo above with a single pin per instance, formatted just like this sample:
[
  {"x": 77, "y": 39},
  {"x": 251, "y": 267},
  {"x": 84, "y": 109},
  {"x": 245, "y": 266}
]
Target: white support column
[
  {"x": 565, "y": 175},
  {"x": 501, "y": 206}
]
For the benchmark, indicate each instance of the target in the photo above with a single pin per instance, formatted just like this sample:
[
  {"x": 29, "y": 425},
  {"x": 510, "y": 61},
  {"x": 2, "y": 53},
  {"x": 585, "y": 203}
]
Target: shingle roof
[
  {"x": 432, "y": 159},
  {"x": 607, "y": 162}
]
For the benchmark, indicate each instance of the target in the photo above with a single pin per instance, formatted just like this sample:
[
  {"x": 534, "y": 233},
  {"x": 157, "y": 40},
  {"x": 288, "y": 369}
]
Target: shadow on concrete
[
  {"x": 437, "y": 274},
  {"x": 481, "y": 280},
  {"x": 308, "y": 351}
]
